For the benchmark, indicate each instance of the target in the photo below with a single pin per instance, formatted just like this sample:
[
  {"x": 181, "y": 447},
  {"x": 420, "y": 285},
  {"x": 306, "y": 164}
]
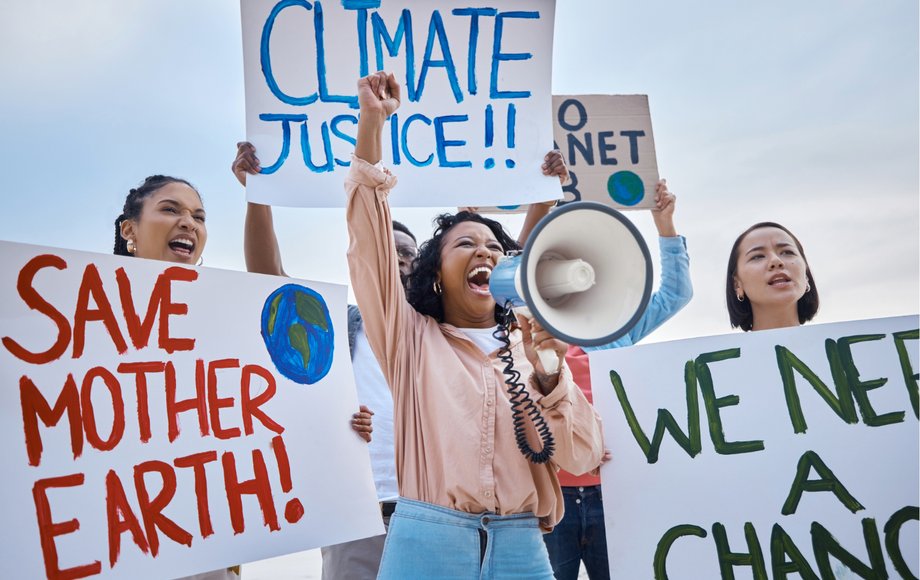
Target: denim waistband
[{"x": 411, "y": 508}]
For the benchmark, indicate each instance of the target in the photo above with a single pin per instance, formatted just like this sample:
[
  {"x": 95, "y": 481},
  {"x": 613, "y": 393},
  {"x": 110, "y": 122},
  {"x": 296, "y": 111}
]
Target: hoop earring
[
  {"x": 200, "y": 261},
  {"x": 807, "y": 287},
  {"x": 131, "y": 247},
  {"x": 437, "y": 288},
  {"x": 740, "y": 297}
]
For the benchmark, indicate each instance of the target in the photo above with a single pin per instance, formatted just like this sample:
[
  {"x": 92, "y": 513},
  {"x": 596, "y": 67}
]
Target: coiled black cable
[{"x": 521, "y": 403}]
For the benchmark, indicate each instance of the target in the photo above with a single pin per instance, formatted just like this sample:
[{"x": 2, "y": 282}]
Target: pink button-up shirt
[{"x": 454, "y": 438}]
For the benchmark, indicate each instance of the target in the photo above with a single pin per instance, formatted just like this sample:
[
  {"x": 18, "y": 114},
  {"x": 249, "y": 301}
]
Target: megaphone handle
[{"x": 549, "y": 359}]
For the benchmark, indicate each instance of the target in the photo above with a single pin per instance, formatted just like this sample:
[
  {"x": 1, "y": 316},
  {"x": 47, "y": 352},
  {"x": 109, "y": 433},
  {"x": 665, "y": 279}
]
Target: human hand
[
  {"x": 554, "y": 164},
  {"x": 604, "y": 459},
  {"x": 663, "y": 212},
  {"x": 535, "y": 338},
  {"x": 378, "y": 95},
  {"x": 361, "y": 423},
  {"x": 245, "y": 162}
]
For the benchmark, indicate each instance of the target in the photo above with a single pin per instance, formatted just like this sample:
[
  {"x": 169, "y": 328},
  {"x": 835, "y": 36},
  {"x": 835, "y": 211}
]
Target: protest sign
[
  {"x": 474, "y": 122},
  {"x": 608, "y": 147},
  {"x": 790, "y": 452},
  {"x": 159, "y": 420}
]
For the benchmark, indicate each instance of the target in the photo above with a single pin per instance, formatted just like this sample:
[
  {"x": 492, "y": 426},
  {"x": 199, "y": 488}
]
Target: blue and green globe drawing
[
  {"x": 298, "y": 333},
  {"x": 625, "y": 188}
]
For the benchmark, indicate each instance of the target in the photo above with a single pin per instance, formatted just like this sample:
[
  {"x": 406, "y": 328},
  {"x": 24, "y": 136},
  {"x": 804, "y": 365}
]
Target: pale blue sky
[{"x": 805, "y": 113}]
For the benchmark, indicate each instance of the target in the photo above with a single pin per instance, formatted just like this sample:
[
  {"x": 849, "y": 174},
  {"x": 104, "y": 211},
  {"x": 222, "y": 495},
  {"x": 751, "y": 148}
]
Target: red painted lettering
[
  {"x": 258, "y": 486},
  {"x": 140, "y": 370},
  {"x": 48, "y": 529},
  {"x": 91, "y": 285},
  {"x": 174, "y": 407},
  {"x": 120, "y": 518},
  {"x": 35, "y": 301},
  {"x": 35, "y": 407},
  {"x": 152, "y": 510},
  {"x": 162, "y": 293},
  {"x": 250, "y": 406},
  {"x": 215, "y": 403},
  {"x": 197, "y": 462},
  {"x": 89, "y": 414}
]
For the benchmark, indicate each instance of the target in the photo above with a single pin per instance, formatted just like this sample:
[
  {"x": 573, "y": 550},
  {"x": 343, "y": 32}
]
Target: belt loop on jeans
[{"x": 387, "y": 508}]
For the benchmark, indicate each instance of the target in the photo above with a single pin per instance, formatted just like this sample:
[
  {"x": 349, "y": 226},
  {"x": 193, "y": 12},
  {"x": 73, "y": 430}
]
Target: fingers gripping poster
[
  {"x": 161, "y": 420},
  {"x": 788, "y": 453},
  {"x": 475, "y": 114}
]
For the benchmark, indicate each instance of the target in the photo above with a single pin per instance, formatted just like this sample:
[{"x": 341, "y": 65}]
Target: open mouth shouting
[
  {"x": 478, "y": 279},
  {"x": 183, "y": 246},
  {"x": 780, "y": 281}
]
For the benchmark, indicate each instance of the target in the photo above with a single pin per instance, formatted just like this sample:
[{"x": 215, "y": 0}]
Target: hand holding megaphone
[{"x": 544, "y": 351}]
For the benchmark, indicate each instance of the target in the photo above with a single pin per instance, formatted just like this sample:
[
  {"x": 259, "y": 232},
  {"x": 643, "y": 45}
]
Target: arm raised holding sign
[
  {"x": 582, "y": 494},
  {"x": 263, "y": 255}
]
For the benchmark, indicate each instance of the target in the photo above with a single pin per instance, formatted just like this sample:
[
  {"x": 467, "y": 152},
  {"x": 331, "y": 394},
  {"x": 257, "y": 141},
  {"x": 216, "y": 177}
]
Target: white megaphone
[{"x": 585, "y": 274}]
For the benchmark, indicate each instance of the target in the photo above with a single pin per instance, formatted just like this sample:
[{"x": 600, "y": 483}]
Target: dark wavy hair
[
  {"x": 420, "y": 293},
  {"x": 739, "y": 312},
  {"x": 134, "y": 203}
]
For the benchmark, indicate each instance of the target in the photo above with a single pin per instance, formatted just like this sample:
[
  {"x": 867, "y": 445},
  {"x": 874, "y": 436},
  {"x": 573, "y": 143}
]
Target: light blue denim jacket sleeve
[{"x": 674, "y": 292}]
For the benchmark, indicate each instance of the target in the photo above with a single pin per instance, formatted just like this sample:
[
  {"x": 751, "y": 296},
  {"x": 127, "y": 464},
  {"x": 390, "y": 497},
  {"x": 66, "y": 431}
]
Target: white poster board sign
[
  {"x": 609, "y": 149},
  {"x": 474, "y": 122},
  {"x": 160, "y": 420},
  {"x": 761, "y": 455}
]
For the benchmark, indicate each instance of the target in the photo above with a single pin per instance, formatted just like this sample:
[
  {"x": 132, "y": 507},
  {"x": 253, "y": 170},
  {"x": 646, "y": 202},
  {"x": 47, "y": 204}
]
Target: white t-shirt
[
  {"x": 374, "y": 392},
  {"x": 483, "y": 339}
]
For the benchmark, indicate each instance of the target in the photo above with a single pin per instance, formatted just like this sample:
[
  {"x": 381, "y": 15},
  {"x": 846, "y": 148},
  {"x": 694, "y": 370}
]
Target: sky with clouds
[{"x": 804, "y": 113}]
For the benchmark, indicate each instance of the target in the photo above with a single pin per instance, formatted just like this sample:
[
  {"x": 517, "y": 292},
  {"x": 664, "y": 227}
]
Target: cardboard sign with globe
[
  {"x": 609, "y": 149},
  {"x": 161, "y": 420}
]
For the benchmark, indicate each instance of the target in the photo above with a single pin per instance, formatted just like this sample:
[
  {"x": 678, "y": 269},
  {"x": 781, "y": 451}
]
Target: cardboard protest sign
[
  {"x": 609, "y": 149},
  {"x": 474, "y": 122},
  {"x": 790, "y": 452},
  {"x": 160, "y": 420}
]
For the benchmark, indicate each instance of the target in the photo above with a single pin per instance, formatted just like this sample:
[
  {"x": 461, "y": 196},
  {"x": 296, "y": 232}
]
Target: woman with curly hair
[
  {"x": 769, "y": 283},
  {"x": 471, "y": 504}
]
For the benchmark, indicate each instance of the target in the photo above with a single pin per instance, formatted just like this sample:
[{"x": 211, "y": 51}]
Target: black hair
[
  {"x": 400, "y": 227},
  {"x": 420, "y": 292},
  {"x": 134, "y": 203},
  {"x": 739, "y": 312}
]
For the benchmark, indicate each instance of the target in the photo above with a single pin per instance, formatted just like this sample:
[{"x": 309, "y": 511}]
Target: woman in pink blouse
[{"x": 471, "y": 505}]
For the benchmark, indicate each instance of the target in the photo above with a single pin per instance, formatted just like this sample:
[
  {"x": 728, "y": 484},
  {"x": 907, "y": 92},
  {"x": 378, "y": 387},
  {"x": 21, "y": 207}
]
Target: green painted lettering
[
  {"x": 713, "y": 404},
  {"x": 825, "y": 546},
  {"x": 781, "y": 545},
  {"x": 690, "y": 443},
  {"x": 910, "y": 377},
  {"x": 664, "y": 546},
  {"x": 828, "y": 482},
  {"x": 860, "y": 388},
  {"x": 728, "y": 559},
  {"x": 842, "y": 404},
  {"x": 892, "y": 537}
]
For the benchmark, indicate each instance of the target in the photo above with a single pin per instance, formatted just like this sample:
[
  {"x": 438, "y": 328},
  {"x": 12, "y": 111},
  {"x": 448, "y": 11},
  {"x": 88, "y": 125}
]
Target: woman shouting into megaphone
[{"x": 471, "y": 504}]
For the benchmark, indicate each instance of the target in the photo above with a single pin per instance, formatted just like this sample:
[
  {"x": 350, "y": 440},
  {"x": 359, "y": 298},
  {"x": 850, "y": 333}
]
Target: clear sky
[{"x": 804, "y": 113}]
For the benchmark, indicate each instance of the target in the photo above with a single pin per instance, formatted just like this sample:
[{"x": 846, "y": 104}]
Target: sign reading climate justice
[
  {"x": 772, "y": 454},
  {"x": 160, "y": 420},
  {"x": 475, "y": 118}
]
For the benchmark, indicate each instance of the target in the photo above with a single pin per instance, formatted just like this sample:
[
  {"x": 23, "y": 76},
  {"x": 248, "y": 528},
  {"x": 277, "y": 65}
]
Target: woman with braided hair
[{"x": 163, "y": 219}]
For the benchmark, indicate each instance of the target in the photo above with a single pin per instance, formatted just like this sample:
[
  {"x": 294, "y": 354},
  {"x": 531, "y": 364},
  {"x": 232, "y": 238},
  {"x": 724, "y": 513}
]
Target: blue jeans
[
  {"x": 431, "y": 541},
  {"x": 580, "y": 536}
]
